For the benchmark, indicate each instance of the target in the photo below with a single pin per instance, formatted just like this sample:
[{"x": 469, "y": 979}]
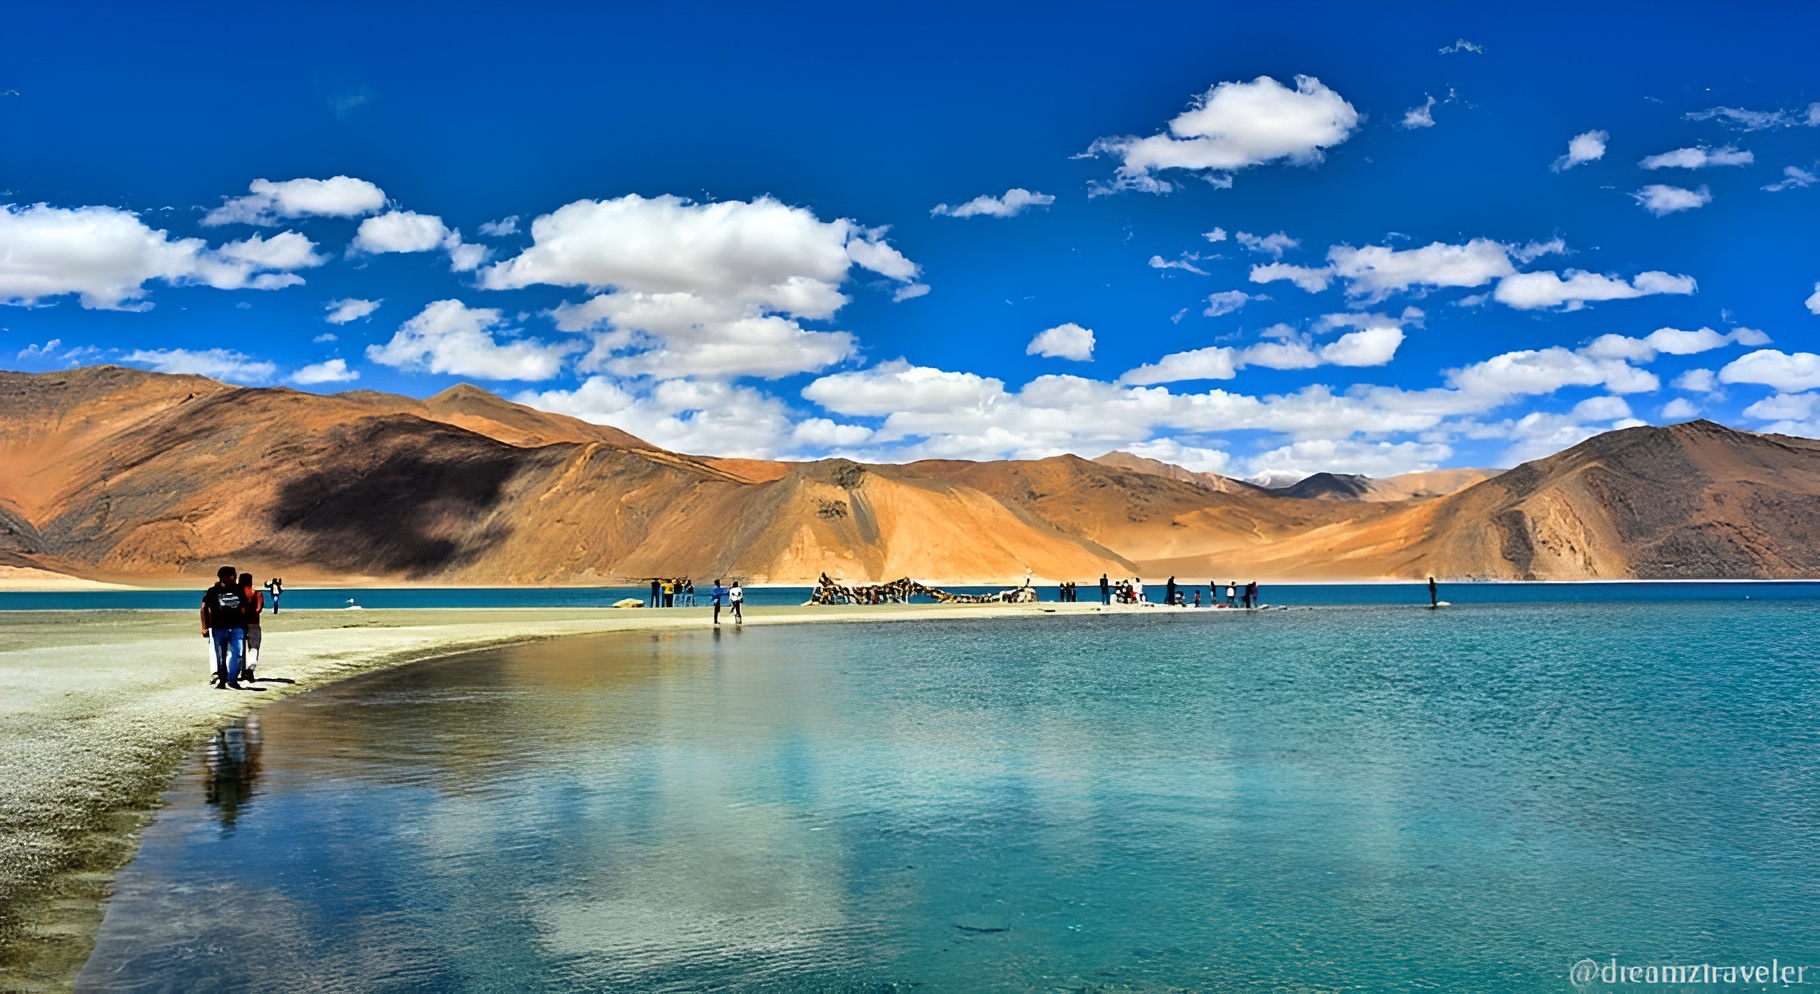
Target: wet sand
[{"x": 98, "y": 708}]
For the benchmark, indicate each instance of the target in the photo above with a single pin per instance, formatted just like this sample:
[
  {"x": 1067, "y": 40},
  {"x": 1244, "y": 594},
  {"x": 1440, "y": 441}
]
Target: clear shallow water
[
  {"x": 1469, "y": 799},
  {"x": 315, "y": 598}
]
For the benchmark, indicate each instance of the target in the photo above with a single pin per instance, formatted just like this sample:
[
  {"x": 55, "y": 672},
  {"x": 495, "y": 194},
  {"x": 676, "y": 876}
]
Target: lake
[{"x": 1376, "y": 798}]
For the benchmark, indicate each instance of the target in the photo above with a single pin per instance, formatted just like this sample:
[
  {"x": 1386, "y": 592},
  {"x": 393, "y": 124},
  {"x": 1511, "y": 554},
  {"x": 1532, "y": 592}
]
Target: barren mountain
[
  {"x": 1156, "y": 467},
  {"x": 117, "y": 474}
]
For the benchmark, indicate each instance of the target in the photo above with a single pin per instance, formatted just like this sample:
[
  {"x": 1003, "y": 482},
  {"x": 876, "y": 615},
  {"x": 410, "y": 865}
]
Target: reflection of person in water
[{"x": 231, "y": 769}]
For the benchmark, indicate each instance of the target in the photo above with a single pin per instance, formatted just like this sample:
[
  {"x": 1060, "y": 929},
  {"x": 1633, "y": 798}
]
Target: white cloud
[
  {"x": 1311, "y": 279},
  {"x": 708, "y": 417},
  {"x": 1530, "y": 291},
  {"x": 1064, "y": 341},
  {"x": 910, "y": 291},
  {"x": 220, "y": 364},
  {"x": 1271, "y": 245},
  {"x": 1539, "y": 433},
  {"x": 1215, "y": 362},
  {"x": 688, "y": 289},
  {"x": 1234, "y": 126},
  {"x": 106, "y": 256},
  {"x": 1785, "y": 407},
  {"x": 1793, "y": 178},
  {"x": 1588, "y": 146},
  {"x": 409, "y": 231},
  {"x": 327, "y": 336},
  {"x": 500, "y": 228},
  {"x": 1673, "y": 341},
  {"x": 1194, "y": 457},
  {"x": 1774, "y": 368},
  {"x": 338, "y": 196},
  {"x": 1542, "y": 371},
  {"x": 450, "y": 337},
  {"x": 1698, "y": 157},
  {"x": 1226, "y": 301},
  {"x": 348, "y": 310},
  {"x": 1376, "y": 271},
  {"x": 1015, "y": 201},
  {"x": 1679, "y": 409},
  {"x": 1158, "y": 262},
  {"x": 1813, "y": 302},
  {"x": 822, "y": 433},
  {"x": 1304, "y": 458},
  {"x": 1420, "y": 117},
  {"x": 1661, "y": 200},
  {"x": 1216, "y": 235},
  {"x": 1760, "y": 120},
  {"x": 1373, "y": 344},
  {"x": 332, "y": 371},
  {"x": 1698, "y": 381},
  {"x": 897, "y": 387},
  {"x": 1462, "y": 46}
]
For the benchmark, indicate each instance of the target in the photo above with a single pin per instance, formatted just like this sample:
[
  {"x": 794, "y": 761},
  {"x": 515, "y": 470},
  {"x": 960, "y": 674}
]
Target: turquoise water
[
  {"x": 1307, "y": 594},
  {"x": 1338, "y": 799}
]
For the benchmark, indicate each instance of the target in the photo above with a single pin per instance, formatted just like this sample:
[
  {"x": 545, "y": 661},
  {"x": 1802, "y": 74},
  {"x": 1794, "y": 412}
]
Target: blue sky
[{"x": 1360, "y": 238}]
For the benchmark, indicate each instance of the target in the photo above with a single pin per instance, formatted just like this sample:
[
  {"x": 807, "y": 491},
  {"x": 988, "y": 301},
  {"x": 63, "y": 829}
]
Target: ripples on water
[{"x": 1367, "y": 798}]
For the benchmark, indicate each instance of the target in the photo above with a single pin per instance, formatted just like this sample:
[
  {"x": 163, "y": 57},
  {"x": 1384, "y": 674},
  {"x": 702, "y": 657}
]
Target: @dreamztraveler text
[{"x": 1589, "y": 973}]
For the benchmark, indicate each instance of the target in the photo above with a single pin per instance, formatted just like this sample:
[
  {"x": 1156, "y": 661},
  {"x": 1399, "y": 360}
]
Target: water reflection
[{"x": 230, "y": 770}]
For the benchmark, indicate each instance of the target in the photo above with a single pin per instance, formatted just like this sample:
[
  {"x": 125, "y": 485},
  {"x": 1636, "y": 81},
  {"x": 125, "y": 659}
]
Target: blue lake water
[
  {"x": 317, "y": 598},
  {"x": 1338, "y": 799}
]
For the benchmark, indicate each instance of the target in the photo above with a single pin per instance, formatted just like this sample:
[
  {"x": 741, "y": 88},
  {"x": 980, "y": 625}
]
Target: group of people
[
  {"x": 1070, "y": 592},
  {"x": 673, "y": 593},
  {"x": 231, "y": 611},
  {"x": 1132, "y": 592}
]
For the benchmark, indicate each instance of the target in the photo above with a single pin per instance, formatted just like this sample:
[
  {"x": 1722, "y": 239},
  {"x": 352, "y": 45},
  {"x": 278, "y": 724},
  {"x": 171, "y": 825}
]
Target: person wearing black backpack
[{"x": 224, "y": 611}]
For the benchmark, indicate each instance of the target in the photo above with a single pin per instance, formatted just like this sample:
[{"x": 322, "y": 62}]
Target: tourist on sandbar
[
  {"x": 1434, "y": 594},
  {"x": 1197, "y": 597},
  {"x": 1232, "y": 593},
  {"x": 669, "y": 593},
  {"x": 657, "y": 593},
  {"x": 717, "y": 595},
  {"x": 1169, "y": 592},
  {"x": 1137, "y": 590},
  {"x": 735, "y": 598},
  {"x": 1251, "y": 594},
  {"x": 275, "y": 587},
  {"x": 688, "y": 591},
  {"x": 224, "y": 625},
  {"x": 1105, "y": 590},
  {"x": 255, "y": 604}
]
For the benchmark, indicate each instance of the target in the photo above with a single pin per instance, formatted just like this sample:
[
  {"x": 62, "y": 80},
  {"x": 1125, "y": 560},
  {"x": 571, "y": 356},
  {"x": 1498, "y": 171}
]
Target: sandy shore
[{"x": 98, "y": 708}]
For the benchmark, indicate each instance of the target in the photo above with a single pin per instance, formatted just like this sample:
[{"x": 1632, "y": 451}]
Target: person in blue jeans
[
  {"x": 719, "y": 594},
  {"x": 224, "y": 611}
]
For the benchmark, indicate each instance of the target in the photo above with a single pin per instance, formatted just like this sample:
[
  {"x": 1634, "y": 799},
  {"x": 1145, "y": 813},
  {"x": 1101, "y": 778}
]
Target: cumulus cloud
[
  {"x": 1374, "y": 343},
  {"x": 1813, "y": 302},
  {"x": 1304, "y": 458},
  {"x": 909, "y": 291},
  {"x": 1698, "y": 381},
  {"x": 332, "y": 371},
  {"x": 1462, "y": 46},
  {"x": 1376, "y": 271},
  {"x": 348, "y": 310},
  {"x": 1271, "y": 245},
  {"x": 269, "y": 202},
  {"x": 701, "y": 416},
  {"x": 687, "y": 289},
  {"x": 1420, "y": 117},
  {"x": 1775, "y": 368},
  {"x": 1661, "y": 200},
  {"x": 1698, "y": 157},
  {"x": 1234, "y": 126},
  {"x": 1064, "y": 341},
  {"x": 1673, "y": 341},
  {"x": 1015, "y": 201},
  {"x": 409, "y": 231},
  {"x": 1311, "y": 279},
  {"x": 450, "y": 337},
  {"x": 219, "y": 364},
  {"x": 1588, "y": 146},
  {"x": 1218, "y": 234},
  {"x": 1793, "y": 178},
  {"x": 1679, "y": 409},
  {"x": 106, "y": 256},
  {"x": 1533, "y": 291},
  {"x": 1541, "y": 433},
  {"x": 1226, "y": 301},
  {"x": 1543, "y": 371},
  {"x": 1760, "y": 120}
]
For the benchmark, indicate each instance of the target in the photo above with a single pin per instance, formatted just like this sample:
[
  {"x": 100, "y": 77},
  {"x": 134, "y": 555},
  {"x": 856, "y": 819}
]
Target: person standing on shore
[
  {"x": 1105, "y": 590},
  {"x": 255, "y": 635},
  {"x": 736, "y": 597},
  {"x": 1251, "y": 594},
  {"x": 718, "y": 594},
  {"x": 1434, "y": 593},
  {"x": 275, "y": 586},
  {"x": 224, "y": 625},
  {"x": 657, "y": 593},
  {"x": 1169, "y": 593},
  {"x": 1232, "y": 593}
]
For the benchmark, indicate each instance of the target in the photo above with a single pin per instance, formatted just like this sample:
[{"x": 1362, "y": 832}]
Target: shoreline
[{"x": 102, "y": 707}]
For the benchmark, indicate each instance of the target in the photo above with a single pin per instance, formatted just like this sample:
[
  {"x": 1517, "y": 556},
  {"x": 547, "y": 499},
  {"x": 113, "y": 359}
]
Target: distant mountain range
[{"x": 122, "y": 475}]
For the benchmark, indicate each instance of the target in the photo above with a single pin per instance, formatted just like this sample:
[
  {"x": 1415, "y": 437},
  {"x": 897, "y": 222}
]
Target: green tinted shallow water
[{"x": 1371, "y": 798}]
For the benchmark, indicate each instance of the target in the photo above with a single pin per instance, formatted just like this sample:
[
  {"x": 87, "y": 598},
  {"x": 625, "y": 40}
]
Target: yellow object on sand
[{"x": 629, "y": 602}]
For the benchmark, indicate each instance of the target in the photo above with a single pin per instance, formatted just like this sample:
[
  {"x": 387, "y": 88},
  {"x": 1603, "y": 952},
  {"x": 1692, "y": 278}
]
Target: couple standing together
[{"x": 230, "y": 621}]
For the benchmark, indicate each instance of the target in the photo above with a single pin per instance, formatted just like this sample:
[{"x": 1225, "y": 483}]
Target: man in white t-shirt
[{"x": 736, "y": 596}]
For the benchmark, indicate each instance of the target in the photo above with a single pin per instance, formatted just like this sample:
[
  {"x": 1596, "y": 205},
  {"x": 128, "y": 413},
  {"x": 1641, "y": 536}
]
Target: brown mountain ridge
[{"x": 123, "y": 475}]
